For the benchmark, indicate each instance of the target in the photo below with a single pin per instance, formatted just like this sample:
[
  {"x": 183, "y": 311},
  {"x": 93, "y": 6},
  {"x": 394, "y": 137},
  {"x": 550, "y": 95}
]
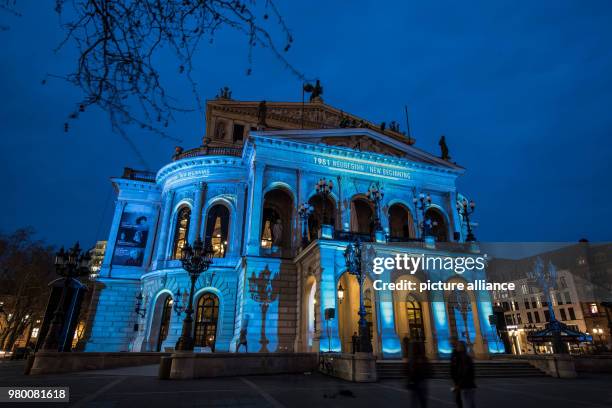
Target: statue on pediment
[
  {"x": 315, "y": 91},
  {"x": 262, "y": 110},
  {"x": 224, "y": 93},
  {"x": 443, "y": 149}
]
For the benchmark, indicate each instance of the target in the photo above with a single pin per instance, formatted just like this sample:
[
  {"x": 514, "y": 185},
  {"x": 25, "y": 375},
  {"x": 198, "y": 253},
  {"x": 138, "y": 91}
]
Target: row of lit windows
[
  {"x": 534, "y": 317},
  {"x": 217, "y": 227}
]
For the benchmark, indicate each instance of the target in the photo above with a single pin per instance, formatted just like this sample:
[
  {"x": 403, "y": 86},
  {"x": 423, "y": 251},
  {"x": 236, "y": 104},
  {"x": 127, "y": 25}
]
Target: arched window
[
  {"x": 217, "y": 227},
  {"x": 436, "y": 225},
  {"x": 181, "y": 231},
  {"x": 414, "y": 315},
  {"x": 324, "y": 212},
  {"x": 164, "y": 322},
  {"x": 207, "y": 314},
  {"x": 276, "y": 228},
  {"x": 362, "y": 216},
  {"x": 400, "y": 222}
]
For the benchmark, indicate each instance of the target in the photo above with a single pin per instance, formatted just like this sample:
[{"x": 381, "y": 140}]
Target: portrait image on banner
[{"x": 132, "y": 237}]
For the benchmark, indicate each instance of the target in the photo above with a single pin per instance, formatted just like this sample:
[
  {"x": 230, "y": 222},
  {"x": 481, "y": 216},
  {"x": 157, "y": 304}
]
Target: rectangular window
[
  {"x": 572, "y": 315},
  {"x": 505, "y": 306},
  {"x": 562, "y": 282},
  {"x": 559, "y": 298},
  {"x": 238, "y": 134},
  {"x": 563, "y": 315},
  {"x": 547, "y": 315},
  {"x": 536, "y": 314},
  {"x": 534, "y": 303},
  {"x": 568, "y": 298},
  {"x": 529, "y": 318},
  {"x": 518, "y": 319},
  {"x": 593, "y": 309},
  {"x": 509, "y": 320},
  {"x": 526, "y": 304},
  {"x": 516, "y": 305}
]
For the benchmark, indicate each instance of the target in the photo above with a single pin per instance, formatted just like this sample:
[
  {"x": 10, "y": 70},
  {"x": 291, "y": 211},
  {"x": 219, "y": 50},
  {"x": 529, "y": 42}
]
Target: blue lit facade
[{"x": 241, "y": 190}]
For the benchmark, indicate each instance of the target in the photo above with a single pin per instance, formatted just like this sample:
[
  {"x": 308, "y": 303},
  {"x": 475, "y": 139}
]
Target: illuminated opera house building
[{"x": 278, "y": 280}]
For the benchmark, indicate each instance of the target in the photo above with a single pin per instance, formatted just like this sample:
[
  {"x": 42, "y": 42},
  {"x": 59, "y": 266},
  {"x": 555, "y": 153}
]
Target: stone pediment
[
  {"x": 362, "y": 140},
  {"x": 291, "y": 115}
]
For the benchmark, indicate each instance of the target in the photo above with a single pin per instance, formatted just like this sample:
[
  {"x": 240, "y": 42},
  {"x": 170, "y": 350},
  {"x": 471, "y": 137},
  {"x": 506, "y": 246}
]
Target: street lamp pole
[
  {"x": 421, "y": 204},
  {"x": 70, "y": 265},
  {"x": 465, "y": 211},
  {"x": 352, "y": 257},
  {"x": 375, "y": 194},
  {"x": 194, "y": 260},
  {"x": 304, "y": 212},
  {"x": 324, "y": 188}
]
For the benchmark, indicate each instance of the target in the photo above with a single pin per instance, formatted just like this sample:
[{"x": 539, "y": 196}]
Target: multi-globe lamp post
[
  {"x": 71, "y": 264},
  {"x": 375, "y": 194},
  {"x": 352, "y": 257},
  {"x": 422, "y": 203},
  {"x": 323, "y": 189},
  {"x": 466, "y": 210},
  {"x": 195, "y": 260}
]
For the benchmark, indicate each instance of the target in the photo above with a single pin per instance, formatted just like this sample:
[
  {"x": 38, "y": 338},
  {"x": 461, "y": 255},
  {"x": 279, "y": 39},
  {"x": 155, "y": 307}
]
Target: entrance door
[
  {"x": 207, "y": 315},
  {"x": 164, "y": 323}
]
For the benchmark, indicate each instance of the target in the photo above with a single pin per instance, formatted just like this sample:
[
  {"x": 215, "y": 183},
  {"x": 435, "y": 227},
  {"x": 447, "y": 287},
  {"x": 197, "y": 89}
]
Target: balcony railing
[
  {"x": 209, "y": 151},
  {"x": 139, "y": 175}
]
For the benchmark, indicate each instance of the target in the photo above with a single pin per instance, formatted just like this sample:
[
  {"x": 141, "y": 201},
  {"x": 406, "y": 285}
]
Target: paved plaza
[{"x": 139, "y": 387}]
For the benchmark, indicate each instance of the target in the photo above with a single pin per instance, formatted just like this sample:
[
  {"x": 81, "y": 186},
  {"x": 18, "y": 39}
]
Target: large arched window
[
  {"x": 207, "y": 315},
  {"x": 164, "y": 322},
  {"x": 400, "y": 222},
  {"x": 181, "y": 231},
  {"x": 362, "y": 216},
  {"x": 276, "y": 223},
  {"x": 414, "y": 315},
  {"x": 436, "y": 224},
  {"x": 323, "y": 212},
  {"x": 217, "y": 228}
]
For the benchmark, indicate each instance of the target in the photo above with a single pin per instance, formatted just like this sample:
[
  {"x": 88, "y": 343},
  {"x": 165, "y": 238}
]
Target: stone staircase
[{"x": 441, "y": 369}]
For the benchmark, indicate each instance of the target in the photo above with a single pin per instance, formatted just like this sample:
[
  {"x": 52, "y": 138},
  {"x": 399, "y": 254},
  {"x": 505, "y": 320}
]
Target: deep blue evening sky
[{"x": 521, "y": 90}]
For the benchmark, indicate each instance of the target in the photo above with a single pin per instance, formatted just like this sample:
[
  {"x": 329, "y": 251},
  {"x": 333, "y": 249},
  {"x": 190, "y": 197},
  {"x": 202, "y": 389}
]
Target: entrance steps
[{"x": 441, "y": 369}]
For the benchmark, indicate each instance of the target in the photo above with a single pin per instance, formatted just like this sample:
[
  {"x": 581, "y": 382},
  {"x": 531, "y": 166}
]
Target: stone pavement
[{"x": 139, "y": 387}]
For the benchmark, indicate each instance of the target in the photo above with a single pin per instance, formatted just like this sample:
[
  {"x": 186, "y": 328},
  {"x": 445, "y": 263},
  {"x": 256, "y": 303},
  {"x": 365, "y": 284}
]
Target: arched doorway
[
  {"x": 276, "y": 228},
  {"x": 362, "y": 216},
  {"x": 461, "y": 311},
  {"x": 348, "y": 312},
  {"x": 414, "y": 317},
  {"x": 436, "y": 224},
  {"x": 165, "y": 322},
  {"x": 323, "y": 212},
  {"x": 217, "y": 229},
  {"x": 160, "y": 321},
  {"x": 207, "y": 316},
  {"x": 401, "y": 224}
]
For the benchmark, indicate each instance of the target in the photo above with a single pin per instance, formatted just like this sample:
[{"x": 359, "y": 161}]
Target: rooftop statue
[
  {"x": 315, "y": 91},
  {"x": 262, "y": 110},
  {"x": 224, "y": 93},
  {"x": 443, "y": 149}
]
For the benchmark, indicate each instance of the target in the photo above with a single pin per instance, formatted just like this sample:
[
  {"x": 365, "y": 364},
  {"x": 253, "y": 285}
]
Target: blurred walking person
[
  {"x": 462, "y": 373},
  {"x": 418, "y": 372}
]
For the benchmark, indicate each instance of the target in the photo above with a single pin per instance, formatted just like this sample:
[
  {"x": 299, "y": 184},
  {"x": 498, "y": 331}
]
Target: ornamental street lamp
[
  {"x": 465, "y": 210},
  {"x": 352, "y": 257},
  {"x": 421, "y": 204},
  {"x": 375, "y": 194},
  {"x": 69, "y": 265},
  {"x": 324, "y": 188},
  {"x": 304, "y": 211},
  {"x": 195, "y": 260},
  {"x": 340, "y": 294}
]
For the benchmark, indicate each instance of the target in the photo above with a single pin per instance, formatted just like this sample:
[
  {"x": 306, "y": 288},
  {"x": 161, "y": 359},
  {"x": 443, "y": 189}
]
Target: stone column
[
  {"x": 255, "y": 209},
  {"x": 327, "y": 299},
  {"x": 168, "y": 201},
  {"x": 196, "y": 213},
  {"x": 112, "y": 238},
  {"x": 391, "y": 344},
  {"x": 235, "y": 233},
  {"x": 440, "y": 322}
]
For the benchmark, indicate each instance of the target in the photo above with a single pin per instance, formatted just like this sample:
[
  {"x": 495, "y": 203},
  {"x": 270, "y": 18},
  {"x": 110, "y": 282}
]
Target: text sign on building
[{"x": 363, "y": 168}]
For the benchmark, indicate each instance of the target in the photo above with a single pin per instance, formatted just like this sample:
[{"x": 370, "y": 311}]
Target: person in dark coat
[
  {"x": 462, "y": 373},
  {"x": 418, "y": 372}
]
